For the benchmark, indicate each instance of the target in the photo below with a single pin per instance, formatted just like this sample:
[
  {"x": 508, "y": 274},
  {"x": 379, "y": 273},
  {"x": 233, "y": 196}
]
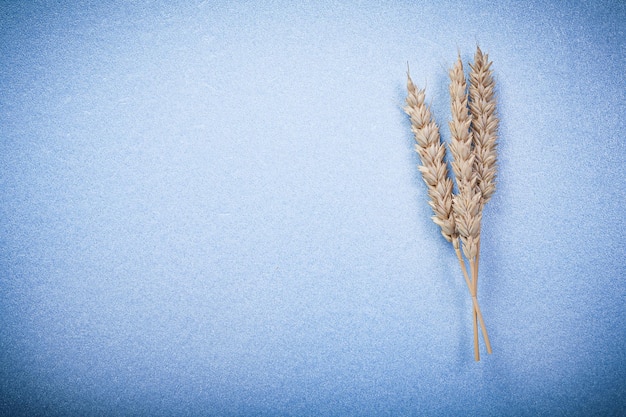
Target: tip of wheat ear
[{"x": 432, "y": 154}]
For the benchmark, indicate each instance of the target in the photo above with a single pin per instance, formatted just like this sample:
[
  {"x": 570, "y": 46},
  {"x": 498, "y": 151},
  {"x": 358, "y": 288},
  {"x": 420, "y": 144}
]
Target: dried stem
[{"x": 476, "y": 312}]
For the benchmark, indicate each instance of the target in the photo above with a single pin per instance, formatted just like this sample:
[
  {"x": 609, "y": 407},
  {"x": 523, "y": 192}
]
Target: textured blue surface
[{"x": 214, "y": 209}]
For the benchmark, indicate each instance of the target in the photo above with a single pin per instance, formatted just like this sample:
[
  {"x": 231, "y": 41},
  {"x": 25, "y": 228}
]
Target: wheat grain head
[
  {"x": 432, "y": 153},
  {"x": 466, "y": 204},
  {"x": 484, "y": 126}
]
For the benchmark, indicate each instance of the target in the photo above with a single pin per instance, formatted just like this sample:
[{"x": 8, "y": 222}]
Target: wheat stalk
[
  {"x": 435, "y": 174},
  {"x": 484, "y": 126},
  {"x": 467, "y": 203},
  {"x": 473, "y": 129}
]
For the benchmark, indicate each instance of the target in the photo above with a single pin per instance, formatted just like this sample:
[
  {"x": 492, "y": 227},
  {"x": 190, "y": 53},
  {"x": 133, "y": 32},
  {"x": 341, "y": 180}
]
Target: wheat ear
[
  {"x": 466, "y": 203},
  {"x": 432, "y": 152},
  {"x": 482, "y": 105}
]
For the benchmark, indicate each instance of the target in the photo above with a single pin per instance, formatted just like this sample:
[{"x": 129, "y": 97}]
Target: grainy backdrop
[{"x": 213, "y": 208}]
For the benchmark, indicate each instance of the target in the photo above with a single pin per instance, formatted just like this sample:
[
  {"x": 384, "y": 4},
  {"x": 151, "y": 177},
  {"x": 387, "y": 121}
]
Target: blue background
[{"x": 213, "y": 208}]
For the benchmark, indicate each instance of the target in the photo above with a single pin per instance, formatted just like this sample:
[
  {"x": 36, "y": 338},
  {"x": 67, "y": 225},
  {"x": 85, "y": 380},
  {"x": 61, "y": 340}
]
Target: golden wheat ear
[
  {"x": 467, "y": 201},
  {"x": 432, "y": 154},
  {"x": 484, "y": 126}
]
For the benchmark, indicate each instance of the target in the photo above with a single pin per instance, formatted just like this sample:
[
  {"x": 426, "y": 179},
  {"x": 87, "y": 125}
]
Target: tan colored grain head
[
  {"x": 466, "y": 203},
  {"x": 432, "y": 154},
  {"x": 482, "y": 104}
]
